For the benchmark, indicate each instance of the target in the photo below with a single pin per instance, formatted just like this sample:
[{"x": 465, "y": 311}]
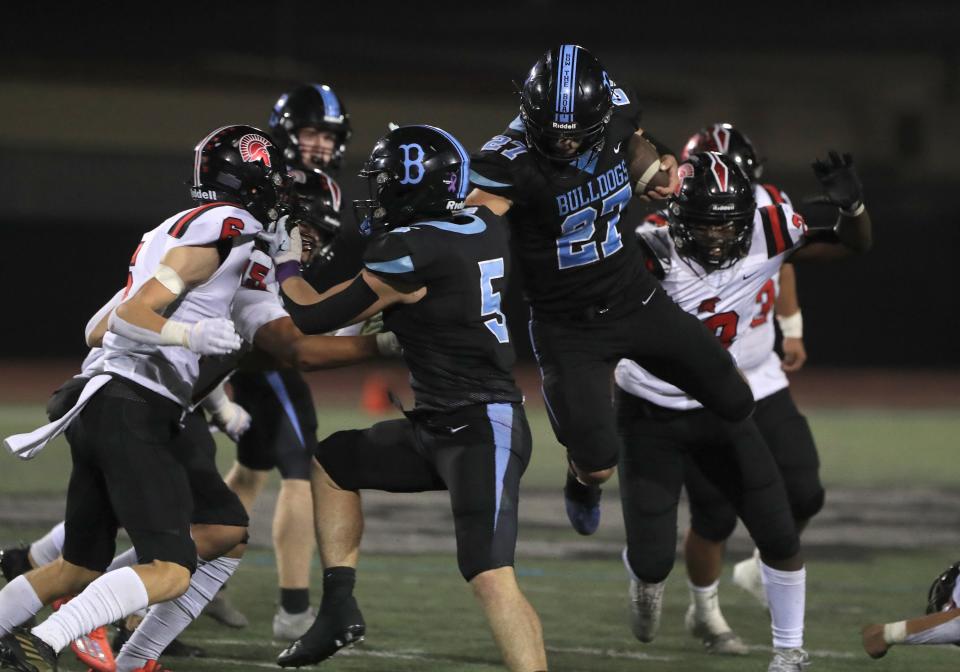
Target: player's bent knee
[
  {"x": 213, "y": 541},
  {"x": 651, "y": 565},
  {"x": 335, "y": 455},
  {"x": 807, "y": 506},
  {"x": 594, "y": 477},
  {"x": 778, "y": 548},
  {"x": 713, "y": 528}
]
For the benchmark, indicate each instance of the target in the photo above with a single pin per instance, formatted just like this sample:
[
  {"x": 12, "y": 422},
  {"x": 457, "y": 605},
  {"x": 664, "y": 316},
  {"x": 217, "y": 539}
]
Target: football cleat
[
  {"x": 93, "y": 650},
  {"x": 222, "y": 611},
  {"x": 716, "y": 635},
  {"x": 14, "y": 562},
  {"x": 22, "y": 651},
  {"x": 583, "y": 505},
  {"x": 646, "y": 603},
  {"x": 747, "y": 575},
  {"x": 789, "y": 660},
  {"x": 328, "y": 634},
  {"x": 289, "y": 627}
]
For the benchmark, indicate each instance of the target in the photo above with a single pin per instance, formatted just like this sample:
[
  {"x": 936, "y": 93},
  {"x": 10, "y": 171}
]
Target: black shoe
[
  {"x": 178, "y": 649},
  {"x": 14, "y": 562},
  {"x": 334, "y": 629},
  {"x": 23, "y": 651},
  {"x": 583, "y": 505}
]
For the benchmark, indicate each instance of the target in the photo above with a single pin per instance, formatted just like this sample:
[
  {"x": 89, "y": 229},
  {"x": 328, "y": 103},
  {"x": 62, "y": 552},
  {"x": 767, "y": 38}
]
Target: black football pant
[
  {"x": 787, "y": 434},
  {"x": 477, "y": 453},
  {"x": 577, "y": 358},
  {"x": 731, "y": 455}
]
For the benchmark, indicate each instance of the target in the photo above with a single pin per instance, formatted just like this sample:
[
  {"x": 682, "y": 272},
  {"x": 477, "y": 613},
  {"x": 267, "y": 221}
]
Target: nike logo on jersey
[
  {"x": 616, "y": 150},
  {"x": 750, "y": 275},
  {"x": 647, "y": 300},
  {"x": 454, "y": 430}
]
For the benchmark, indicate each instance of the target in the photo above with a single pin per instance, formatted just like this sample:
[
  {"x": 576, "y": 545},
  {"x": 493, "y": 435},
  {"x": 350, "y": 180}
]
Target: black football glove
[{"x": 840, "y": 183}]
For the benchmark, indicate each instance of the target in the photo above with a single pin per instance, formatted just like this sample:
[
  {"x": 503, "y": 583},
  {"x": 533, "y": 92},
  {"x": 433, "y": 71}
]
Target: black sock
[
  {"x": 338, "y": 585},
  {"x": 295, "y": 600}
]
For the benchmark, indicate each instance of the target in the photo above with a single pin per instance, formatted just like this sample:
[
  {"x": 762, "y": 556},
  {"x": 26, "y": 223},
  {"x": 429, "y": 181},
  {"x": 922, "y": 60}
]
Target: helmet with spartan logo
[{"x": 412, "y": 173}]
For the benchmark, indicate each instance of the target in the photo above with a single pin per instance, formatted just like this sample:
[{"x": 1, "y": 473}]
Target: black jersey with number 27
[
  {"x": 566, "y": 218},
  {"x": 455, "y": 340}
]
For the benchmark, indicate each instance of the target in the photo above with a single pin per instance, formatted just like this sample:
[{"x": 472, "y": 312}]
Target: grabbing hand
[
  {"x": 794, "y": 355},
  {"x": 213, "y": 336},
  {"x": 232, "y": 419},
  {"x": 840, "y": 182},
  {"x": 283, "y": 245}
]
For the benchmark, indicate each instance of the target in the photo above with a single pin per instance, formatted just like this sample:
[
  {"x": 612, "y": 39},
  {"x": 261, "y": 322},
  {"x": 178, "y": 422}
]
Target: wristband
[
  {"x": 855, "y": 210},
  {"x": 791, "y": 326},
  {"x": 895, "y": 633},
  {"x": 287, "y": 269},
  {"x": 175, "y": 333}
]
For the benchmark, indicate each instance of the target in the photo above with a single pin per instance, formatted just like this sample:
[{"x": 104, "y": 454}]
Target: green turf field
[{"x": 421, "y": 617}]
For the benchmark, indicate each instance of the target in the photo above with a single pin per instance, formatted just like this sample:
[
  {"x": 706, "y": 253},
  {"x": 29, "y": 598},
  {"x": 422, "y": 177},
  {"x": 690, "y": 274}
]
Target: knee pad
[
  {"x": 715, "y": 523},
  {"x": 167, "y": 547},
  {"x": 335, "y": 455},
  {"x": 651, "y": 565},
  {"x": 805, "y": 508},
  {"x": 778, "y": 545}
]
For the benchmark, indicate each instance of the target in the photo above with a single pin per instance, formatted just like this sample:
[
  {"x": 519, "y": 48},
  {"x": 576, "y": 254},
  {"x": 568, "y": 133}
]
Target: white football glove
[
  {"x": 388, "y": 344},
  {"x": 230, "y": 417},
  {"x": 212, "y": 336},
  {"x": 283, "y": 245}
]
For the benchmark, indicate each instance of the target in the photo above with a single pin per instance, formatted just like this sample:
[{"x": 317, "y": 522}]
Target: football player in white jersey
[
  {"x": 715, "y": 258},
  {"x": 783, "y": 427},
  {"x": 182, "y": 281},
  {"x": 941, "y": 625}
]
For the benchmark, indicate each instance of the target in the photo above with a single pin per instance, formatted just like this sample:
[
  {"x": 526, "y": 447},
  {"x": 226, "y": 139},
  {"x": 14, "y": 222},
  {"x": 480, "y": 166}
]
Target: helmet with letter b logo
[{"x": 413, "y": 172}]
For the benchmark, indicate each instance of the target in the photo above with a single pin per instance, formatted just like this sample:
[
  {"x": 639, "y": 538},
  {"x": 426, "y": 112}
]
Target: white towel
[{"x": 26, "y": 446}]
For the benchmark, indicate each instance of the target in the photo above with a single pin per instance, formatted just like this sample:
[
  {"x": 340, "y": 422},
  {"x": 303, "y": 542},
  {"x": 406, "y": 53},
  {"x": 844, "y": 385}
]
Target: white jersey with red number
[
  {"x": 172, "y": 370},
  {"x": 735, "y": 303}
]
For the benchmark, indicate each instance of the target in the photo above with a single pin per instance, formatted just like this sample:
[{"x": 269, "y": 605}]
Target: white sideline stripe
[
  {"x": 814, "y": 653},
  {"x": 608, "y": 653}
]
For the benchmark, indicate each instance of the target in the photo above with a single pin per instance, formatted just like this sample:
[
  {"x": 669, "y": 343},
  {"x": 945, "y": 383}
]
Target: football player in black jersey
[
  {"x": 311, "y": 127},
  {"x": 559, "y": 172},
  {"x": 437, "y": 271}
]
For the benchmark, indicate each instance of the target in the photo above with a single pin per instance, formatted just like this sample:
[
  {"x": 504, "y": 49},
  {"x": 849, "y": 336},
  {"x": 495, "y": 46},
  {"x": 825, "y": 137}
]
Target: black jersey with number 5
[
  {"x": 566, "y": 218},
  {"x": 455, "y": 340}
]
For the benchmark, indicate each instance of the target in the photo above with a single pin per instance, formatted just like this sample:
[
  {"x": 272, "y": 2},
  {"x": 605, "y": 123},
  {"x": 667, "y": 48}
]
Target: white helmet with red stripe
[{"x": 711, "y": 214}]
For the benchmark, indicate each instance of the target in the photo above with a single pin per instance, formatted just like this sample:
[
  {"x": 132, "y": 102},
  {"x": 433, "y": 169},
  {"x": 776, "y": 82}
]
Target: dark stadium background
[{"x": 101, "y": 104}]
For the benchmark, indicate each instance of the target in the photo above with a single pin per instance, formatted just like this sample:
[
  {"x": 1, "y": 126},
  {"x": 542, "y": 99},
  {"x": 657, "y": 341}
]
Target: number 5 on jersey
[{"x": 490, "y": 270}]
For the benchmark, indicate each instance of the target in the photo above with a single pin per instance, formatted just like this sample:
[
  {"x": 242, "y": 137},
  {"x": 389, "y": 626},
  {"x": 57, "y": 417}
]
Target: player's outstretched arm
[
  {"x": 853, "y": 232},
  {"x": 282, "y": 340},
  {"x": 939, "y": 628},
  {"x": 140, "y": 317},
  {"x": 790, "y": 319}
]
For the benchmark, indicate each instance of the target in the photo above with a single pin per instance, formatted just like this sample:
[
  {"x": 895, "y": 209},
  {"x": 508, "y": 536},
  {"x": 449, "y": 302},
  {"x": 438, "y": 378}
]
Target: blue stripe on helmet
[
  {"x": 567, "y": 74},
  {"x": 573, "y": 80},
  {"x": 331, "y": 104},
  {"x": 464, "y": 160}
]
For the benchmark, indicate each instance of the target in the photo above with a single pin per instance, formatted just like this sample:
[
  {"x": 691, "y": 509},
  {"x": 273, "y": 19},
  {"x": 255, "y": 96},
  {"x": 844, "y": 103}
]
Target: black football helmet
[
  {"x": 315, "y": 204},
  {"x": 310, "y": 105},
  {"x": 940, "y": 595},
  {"x": 240, "y": 164},
  {"x": 566, "y": 103},
  {"x": 711, "y": 214},
  {"x": 413, "y": 172},
  {"x": 724, "y": 138}
]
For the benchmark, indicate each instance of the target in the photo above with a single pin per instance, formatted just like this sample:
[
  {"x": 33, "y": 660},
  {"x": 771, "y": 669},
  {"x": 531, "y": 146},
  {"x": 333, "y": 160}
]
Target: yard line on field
[
  {"x": 608, "y": 653},
  {"x": 814, "y": 653}
]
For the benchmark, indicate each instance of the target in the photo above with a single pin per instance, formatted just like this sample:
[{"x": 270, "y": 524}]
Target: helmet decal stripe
[
  {"x": 331, "y": 104},
  {"x": 198, "y": 150},
  {"x": 721, "y": 138},
  {"x": 566, "y": 83},
  {"x": 719, "y": 171},
  {"x": 464, "y": 177}
]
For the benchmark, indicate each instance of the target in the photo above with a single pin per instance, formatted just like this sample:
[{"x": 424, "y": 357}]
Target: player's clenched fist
[{"x": 213, "y": 336}]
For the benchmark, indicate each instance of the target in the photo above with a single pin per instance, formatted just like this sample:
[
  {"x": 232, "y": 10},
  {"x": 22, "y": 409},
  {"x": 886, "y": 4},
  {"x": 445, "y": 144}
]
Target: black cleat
[
  {"x": 328, "y": 634},
  {"x": 22, "y": 651},
  {"x": 583, "y": 505},
  {"x": 14, "y": 562}
]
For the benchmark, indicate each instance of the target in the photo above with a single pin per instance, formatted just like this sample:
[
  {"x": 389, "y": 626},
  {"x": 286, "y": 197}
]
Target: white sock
[
  {"x": 786, "y": 595},
  {"x": 126, "y": 559},
  {"x": 47, "y": 548},
  {"x": 167, "y": 620},
  {"x": 18, "y": 602},
  {"x": 111, "y": 597},
  {"x": 706, "y": 603},
  {"x": 945, "y": 633}
]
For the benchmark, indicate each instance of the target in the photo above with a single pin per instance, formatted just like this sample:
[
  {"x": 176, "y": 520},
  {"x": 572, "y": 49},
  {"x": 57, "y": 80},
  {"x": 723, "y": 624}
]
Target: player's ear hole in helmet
[
  {"x": 711, "y": 214},
  {"x": 565, "y": 103},
  {"x": 241, "y": 164},
  {"x": 724, "y": 138},
  {"x": 413, "y": 172},
  {"x": 310, "y": 106},
  {"x": 315, "y": 207}
]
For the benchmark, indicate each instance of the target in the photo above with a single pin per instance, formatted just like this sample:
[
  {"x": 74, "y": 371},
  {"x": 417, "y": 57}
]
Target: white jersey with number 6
[
  {"x": 735, "y": 303},
  {"x": 172, "y": 370}
]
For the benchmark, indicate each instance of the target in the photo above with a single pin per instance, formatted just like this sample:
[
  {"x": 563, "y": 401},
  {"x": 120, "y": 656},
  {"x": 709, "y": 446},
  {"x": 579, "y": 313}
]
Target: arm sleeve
[{"x": 334, "y": 311}]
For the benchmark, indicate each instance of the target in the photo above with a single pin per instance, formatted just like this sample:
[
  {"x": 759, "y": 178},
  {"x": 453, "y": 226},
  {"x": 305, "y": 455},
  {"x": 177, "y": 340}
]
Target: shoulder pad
[
  {"x": 212, "y": 222},
  {"x": 776, "y": 195},
  {"x": 783, "y": 229}
]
